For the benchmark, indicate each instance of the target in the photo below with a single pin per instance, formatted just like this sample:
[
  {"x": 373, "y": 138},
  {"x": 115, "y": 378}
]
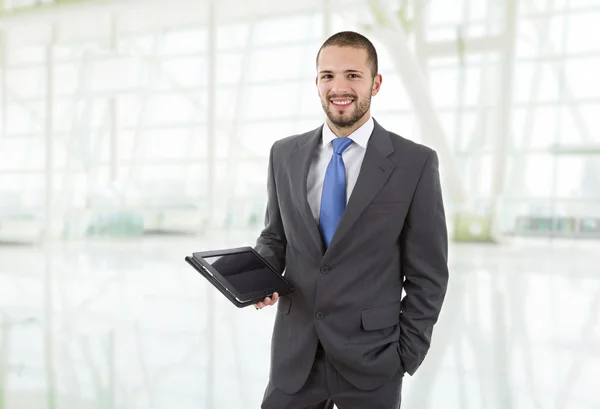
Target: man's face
[{"x": 345, "y": 84}]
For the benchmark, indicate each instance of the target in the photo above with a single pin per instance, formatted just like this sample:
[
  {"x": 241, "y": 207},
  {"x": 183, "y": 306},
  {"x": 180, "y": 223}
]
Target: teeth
[{"x": 342, "y": 102}]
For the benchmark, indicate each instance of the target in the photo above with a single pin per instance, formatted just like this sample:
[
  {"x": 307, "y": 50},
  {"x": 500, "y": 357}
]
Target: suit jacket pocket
[
  {"x": 381, "y": 317},
  {"x": 284, "y": 304}
]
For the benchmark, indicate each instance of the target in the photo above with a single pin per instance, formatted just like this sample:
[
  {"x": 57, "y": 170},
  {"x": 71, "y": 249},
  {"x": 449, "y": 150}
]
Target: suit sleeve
[
  {"x": 424, "y": 249},
  {"x": 271, "y": 243}
]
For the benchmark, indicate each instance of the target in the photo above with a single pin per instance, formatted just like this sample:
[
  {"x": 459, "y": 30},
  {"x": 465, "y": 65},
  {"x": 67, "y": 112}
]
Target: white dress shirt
[{"x": 353, "y": 157}]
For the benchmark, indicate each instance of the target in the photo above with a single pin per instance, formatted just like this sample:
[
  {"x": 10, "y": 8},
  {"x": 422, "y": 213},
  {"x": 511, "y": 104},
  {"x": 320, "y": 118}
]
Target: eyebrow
[{"x": 331, "y": 72}]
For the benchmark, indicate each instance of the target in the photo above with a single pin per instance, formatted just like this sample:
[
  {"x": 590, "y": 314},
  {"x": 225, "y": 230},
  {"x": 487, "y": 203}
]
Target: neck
[{"x": 343, "y": 132}]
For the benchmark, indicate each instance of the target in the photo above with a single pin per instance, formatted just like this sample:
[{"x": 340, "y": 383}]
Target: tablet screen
[{"x": 245, "y": 272}]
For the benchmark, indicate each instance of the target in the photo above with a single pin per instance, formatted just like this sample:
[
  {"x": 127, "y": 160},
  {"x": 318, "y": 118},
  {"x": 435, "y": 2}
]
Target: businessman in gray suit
[{"x": 354, "y": 216}]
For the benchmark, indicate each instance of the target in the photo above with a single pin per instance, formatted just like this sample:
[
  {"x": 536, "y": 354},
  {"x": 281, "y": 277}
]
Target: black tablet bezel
[{"x": 239, "y": 298}]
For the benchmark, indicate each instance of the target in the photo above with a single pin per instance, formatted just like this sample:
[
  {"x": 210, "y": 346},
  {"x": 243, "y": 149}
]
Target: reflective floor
[{"x": 128, "y": 324}]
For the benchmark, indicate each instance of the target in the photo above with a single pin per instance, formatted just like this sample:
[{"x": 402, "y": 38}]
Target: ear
[{"x": 376, "y": 84}]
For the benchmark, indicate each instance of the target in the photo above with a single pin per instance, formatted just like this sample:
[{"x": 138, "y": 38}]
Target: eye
[
  {"x": 354, "y": 76},
  {"x": 326, "y": 76}
]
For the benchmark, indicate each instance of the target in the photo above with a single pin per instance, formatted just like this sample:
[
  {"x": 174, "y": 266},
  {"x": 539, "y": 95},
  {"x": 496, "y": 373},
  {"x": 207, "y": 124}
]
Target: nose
[{"x": 340, "y": 86}]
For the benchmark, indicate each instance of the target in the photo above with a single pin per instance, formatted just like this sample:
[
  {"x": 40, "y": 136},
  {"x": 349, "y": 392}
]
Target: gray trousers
[{"x": 326, "y": 386}]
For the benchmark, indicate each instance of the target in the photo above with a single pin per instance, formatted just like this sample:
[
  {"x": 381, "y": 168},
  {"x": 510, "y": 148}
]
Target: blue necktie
[{"x": 333, "y": 199}]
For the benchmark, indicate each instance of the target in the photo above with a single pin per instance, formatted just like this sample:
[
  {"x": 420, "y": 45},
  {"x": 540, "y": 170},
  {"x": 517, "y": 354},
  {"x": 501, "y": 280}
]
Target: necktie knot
[{"x": 340, "y": 145}]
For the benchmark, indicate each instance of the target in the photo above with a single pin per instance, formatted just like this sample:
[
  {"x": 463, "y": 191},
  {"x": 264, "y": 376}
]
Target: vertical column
[
  {"x": 3, "y": 75},
  {"x": 211, "y": 160},
  {"x": 505, "y": 109},
  {"x": 326, "y": 10},
  {"x": 504, "y": 120},
  {"x": 210, "y": 110},
  {"x": 49, "y": 225},
  {"x": 562, "y": 88},
  {"x": 113, "y": 108},
  {"x": 113, "y": 139},
  {"x": 48, "y": 125},
  {"x": 3, "y": 79},
  {"x": 420, "y": 37}
]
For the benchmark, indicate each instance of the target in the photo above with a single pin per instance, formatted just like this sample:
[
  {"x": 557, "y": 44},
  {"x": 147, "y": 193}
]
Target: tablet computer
[{"x": 240, "y": 274}]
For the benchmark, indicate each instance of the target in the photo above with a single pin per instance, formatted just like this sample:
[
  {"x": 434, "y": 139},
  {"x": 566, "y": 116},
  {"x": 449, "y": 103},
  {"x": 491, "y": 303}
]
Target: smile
[{"x": 342, "y": 102}]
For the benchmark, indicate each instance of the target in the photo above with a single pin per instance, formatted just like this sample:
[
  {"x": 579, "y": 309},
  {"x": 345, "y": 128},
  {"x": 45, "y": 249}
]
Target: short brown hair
[{"x": 354, "y": 40}]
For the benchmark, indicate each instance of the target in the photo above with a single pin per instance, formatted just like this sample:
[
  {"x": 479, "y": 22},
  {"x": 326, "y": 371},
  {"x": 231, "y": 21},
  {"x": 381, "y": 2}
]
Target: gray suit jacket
[{"x": 391, "y": 237}]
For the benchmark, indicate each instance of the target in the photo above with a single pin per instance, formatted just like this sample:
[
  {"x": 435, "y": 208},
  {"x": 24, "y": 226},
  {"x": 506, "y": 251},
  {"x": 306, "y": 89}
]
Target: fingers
[{"x": 267, "y": 301}]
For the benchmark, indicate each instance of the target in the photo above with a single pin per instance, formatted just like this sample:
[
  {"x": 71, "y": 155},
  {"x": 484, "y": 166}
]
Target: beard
[{"x": 342, "y": 119}]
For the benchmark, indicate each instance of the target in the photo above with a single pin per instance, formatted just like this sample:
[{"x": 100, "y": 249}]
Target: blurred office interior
[{"x": 135, "y": 132}]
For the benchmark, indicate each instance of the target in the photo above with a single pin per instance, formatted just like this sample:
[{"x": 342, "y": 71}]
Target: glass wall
[{"x": 117, "y": 109}]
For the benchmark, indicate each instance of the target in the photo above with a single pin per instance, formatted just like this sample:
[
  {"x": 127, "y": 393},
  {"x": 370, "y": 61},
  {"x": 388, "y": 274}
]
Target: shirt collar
[{"x": 360, "y": 136}]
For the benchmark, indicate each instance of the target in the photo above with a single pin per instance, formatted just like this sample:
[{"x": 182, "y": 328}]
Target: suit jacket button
[
  {"x": 320, "y": 315},
  {"x": 325, "y": 269}
]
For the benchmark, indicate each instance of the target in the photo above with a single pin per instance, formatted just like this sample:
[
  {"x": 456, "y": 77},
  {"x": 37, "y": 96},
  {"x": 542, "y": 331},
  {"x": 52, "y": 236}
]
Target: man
[{"x": 354, "y": 216}]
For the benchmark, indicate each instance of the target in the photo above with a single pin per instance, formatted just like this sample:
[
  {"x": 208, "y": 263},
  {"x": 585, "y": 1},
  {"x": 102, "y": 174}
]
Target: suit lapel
[
  {"x": 374, "y": 172},
  {"x": 300, "y": 163}
]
